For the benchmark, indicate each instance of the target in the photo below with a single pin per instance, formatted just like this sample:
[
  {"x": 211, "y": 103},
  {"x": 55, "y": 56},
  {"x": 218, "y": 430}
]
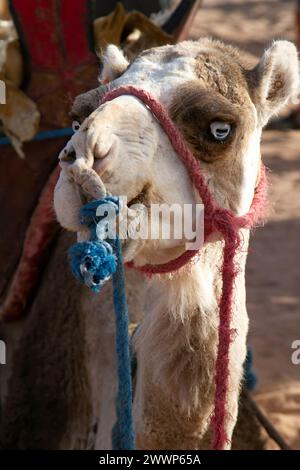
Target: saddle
[{"x": 58, "y": 65}]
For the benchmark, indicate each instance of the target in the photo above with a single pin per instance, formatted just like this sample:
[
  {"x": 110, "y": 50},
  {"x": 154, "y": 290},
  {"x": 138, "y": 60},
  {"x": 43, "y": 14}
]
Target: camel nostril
[{"x": 68, "y": 156}]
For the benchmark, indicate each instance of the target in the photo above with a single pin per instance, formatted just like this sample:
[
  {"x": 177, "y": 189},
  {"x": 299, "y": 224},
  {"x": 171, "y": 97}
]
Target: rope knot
[
  {"x": 99, "y": 214},
  {"x": 93, "y": 262},
  {"x": 223, "y": 220},
  {"x": 226, "y": 223}
]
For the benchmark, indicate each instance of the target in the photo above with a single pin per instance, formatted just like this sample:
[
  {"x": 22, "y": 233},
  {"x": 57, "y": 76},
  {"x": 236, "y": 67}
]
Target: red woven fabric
[
  {"x": 54, "y": 32},
  {"x": 216, "y": 219}
]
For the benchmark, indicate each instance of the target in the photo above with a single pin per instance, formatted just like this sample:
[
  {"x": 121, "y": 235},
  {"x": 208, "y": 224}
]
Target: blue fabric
[
  {"x": 94, "y": 262},
  {"x": 66, "y": 132},
  {"x": 249, "y": 374}
]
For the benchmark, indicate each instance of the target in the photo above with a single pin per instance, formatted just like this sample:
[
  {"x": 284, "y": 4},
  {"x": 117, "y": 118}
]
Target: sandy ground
[{"x": 273, "y": 275}]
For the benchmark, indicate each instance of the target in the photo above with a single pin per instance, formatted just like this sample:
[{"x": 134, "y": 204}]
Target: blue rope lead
[
  {"x": 123, "y": 434},
  {"x": 94, "y": 262},
  {"x": 43, "y": 135}
]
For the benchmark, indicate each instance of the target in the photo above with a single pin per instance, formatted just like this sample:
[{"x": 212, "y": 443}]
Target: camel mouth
[{"x": 140, "y": 198}]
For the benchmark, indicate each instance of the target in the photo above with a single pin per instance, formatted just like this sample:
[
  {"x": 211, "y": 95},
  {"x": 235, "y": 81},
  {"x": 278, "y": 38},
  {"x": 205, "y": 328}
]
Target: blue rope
[
  {"x": 94, "y": 262},
  {"x": 249, "y": 374},
  {"x": 123, "y": 434},
  {"x": 66, "y": 132}
]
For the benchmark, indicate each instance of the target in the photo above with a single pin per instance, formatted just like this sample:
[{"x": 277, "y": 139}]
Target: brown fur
[
  {"x": 193, "y": 108},
  {"x": 86, "y": 103},
  {"x": 48, "y": 393}
]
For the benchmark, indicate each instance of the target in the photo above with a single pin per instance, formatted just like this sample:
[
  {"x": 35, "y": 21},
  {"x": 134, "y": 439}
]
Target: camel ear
[
  {"x": 114, "y": 63},
  {"x": 85, "y": 104},
  {"x": 275, "y": 79}
]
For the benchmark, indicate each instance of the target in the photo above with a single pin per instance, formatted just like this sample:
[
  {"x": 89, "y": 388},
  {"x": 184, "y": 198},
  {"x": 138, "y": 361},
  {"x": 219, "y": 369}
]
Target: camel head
[{"x": 219, "y": 105}]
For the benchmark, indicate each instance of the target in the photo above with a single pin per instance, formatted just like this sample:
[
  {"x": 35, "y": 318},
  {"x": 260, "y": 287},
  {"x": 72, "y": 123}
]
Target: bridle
[{"x": 216, "y": 219}]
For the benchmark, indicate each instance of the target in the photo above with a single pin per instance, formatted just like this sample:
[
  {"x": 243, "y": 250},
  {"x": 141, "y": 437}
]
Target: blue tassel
[
  {"x": 123, "y": 431},
  {"x": 92, "y": 263}
]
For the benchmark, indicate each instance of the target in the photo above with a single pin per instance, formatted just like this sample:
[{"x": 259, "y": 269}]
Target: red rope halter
[{"x": 216, "y": 219}]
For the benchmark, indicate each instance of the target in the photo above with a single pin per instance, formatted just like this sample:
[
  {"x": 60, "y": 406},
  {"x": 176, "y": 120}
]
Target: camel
[
  {"x": 59, "y": 388},
  {"x": 221, "y": 107}
]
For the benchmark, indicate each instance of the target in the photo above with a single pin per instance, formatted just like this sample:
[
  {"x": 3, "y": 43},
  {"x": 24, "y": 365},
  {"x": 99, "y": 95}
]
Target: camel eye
[
  {"x": 220, "y": 130},
  {"x": 75, "y": 126}
]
